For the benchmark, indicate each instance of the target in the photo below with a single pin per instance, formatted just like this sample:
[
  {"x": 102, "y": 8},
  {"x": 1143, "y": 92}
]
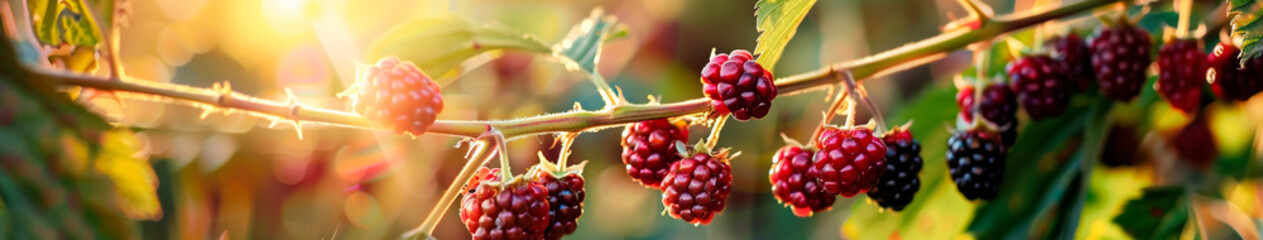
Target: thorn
[
  {"x": 298, "y": 127},
  {"x": 577, "y": 106}
]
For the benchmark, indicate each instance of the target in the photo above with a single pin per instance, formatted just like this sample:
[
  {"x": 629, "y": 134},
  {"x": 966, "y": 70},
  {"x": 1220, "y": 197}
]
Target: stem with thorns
[
  {"x": 828, "y": 115},
  {"x": 877, "y": 65}
]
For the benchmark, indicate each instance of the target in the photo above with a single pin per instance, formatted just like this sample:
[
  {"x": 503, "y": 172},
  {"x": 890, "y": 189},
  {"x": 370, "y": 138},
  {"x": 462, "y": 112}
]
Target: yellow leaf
[
  {"x": 134, "y": 179},
  {"x": 74, "y": 158}
]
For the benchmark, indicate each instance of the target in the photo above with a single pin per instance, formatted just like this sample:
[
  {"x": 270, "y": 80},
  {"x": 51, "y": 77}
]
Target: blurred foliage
[
  {"x": 1158, "y": 214},
  {"x": 1247, "y": 24},
  {"x": 450, "y": 40},
  {"x": 69, "y": 22}
]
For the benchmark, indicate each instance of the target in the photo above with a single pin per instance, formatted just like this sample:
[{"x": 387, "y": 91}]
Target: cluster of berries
[
  {"x": 694, "y": 187},
  {"x": 544, "y": 204},
  {"x": 847, "y": 161}
]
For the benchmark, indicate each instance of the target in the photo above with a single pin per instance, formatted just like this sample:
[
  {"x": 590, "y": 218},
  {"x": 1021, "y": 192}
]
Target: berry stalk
[
  {"x": 910, "y": 55},
  {"x": 482, "y": 156}
]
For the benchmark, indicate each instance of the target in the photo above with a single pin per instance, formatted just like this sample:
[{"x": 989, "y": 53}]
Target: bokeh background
[{"x": 237, "y": 176}]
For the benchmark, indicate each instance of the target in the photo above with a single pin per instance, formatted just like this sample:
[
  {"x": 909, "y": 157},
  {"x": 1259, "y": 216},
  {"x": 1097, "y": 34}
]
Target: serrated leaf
[
  {"x": 1160, "y": 213},
  {"x": 1247, "y": 27},
  {"x": 133, "y": 178},
  {"x": 440, "y": 44},
  {"x": 777, "y": 21},
  {"x": 581, "y": 50},
  {"x": 58, "y": 22}
]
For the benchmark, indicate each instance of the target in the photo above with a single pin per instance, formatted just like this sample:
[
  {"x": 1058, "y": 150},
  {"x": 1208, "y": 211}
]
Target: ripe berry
[
  {"x": 1228, "y": 78},
  {"x": 649, "y": 148},
  {"x": 483, "y": 174},
  {"x": 736, "y": 84},
  {"x": 975, "y": 159},
  {"x": 565, "y": 201},
  {"x": 903, "y": 164},
  {"x": 516, "y": 209},
  {"x": 998, "y": 106},
  {"x": 1120, "y": 55},
  {"x": 697, "y": 188},
  {"x": 1195, "y": 144},
  {"x": 1181, "y": 70},
  {"x": 791, "y": 185},
  {"x": 396, "y": 94},
  {"x": 1040, "y": 86},
  {"x": 850, "y": 160},
  {"x": 1075, "y": 60}
]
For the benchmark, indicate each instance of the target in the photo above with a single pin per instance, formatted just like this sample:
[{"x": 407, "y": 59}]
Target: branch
[{"x": 897, "y": 59}]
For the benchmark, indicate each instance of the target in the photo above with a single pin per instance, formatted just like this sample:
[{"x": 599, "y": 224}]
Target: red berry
[
  {"x": 791, "y": 185},
  {"x": 483, "y": 174},
  {"x": 1228, "y": 78},
  {"x": 1181, "y": 70},
  {"x": 697, "y": 188},
  {"x": 850, "y": 160},
  {"x": 1075, "y": 60},
  {"x": 975, "y": 160},
  {"x": 903, "y": 164},
  {"x": 398, "y": 95},
  {"x": 514, "y": 210},
  {"x": 649, "y": 148},
  {"x": 1195, "y": 144},
  {"x": 565, "y": 201},
  {"x": 1120, "y": 55},
  {"x": 1040, "y": 86},
  {"x": 998, "y": 106},
  {"x": 736, "y": 84}
]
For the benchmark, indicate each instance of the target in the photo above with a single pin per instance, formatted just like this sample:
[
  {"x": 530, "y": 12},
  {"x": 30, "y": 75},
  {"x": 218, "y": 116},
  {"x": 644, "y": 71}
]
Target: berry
[
  {"x": 1120, "y": 55},
  {"x": 1195, "y": 144},
  {"x": 514, "y": 210},
  {"x": 1228, "y": 78},
  {"x": 649, "y": 148},
  {"x": 998, "y": 106},
  {"x": 1181, "y": 69},
  {"x": 975, "y": 159},
  {"x": 565, "y": 201},
  {"x": 1040, "y": 86},
  {"x": 1075, "y": 59},
  {"x": 483, "y": 174},
  {"x": 738, "y": 85},
  {"x": 398, "y": 95},
  {"x": 850, "y": 160},
  {"x": 697, "y": 188},
  {"x": 903, "y": 163},
  {"x": 792, "y": 186}
]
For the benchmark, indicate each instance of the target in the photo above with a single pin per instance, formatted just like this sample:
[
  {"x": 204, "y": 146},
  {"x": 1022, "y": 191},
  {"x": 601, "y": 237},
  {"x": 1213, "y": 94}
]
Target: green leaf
[
  {"x": 777, "y": 21},
  {"x": 58, "y": 22},
  {"x": 1248, "y": 27},
  {"x": 133, "y": 178},
  {"x": 1160, "y": 213},
  {"x": 581, "y": 50},
  {"x": 440, "y": 44}
]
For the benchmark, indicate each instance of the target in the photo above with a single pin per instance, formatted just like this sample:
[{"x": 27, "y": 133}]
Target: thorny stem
[
  {"x": 877, "y": 65},
  {"x": 566, "y": 141},
  {"x": 479, "y": 157},
  {"x": 857, "y": 91},
  {"x": 828, "y": 115},
  {"x": 715, "y": 128}
]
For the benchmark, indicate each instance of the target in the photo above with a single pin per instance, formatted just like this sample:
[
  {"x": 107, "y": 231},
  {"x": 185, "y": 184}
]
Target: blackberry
[
  {"x": 1181, "y": 70},
  {"x": 516, "y": 209},
  {"x": 565, "y": 201},
  {"x": 649, "y": 148},
  {"x": 1120, "y": 55},
  {"x": 903, "y": 164},
  {"x": 1039, "y": 85},
  {"x": 736, "y": 84},
  {"x": 396, "y": 94},
  {"x": 998, "y": 106},
  {"x": 975, "y": 160},
  {"x": 1195, "y": 144},
  {"x": 697, "y": 188},
  {"x": 850, "y": 160},
  {"x": 1228, "y": 78},
  {"x": 1075, "y": 60},
  {"x": 791, "y": 185}
]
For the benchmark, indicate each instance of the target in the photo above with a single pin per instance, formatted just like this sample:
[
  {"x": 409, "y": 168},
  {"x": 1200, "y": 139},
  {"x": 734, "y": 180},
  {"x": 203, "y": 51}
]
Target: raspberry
[
  {"x": 850, "y": 160},
  {"x": 398, "y": 95},
  {"x": 1181, "y": 69},
  {"x": 736, "y": 84},
  {"x": 998, "y": 106},
  {"x": 1039, "y": 84},
  {"x": 649, "y": 148},
  {"x": 1227, "y": 77},
  {"x": 514, "y": 210},
  {"x": 975, "y": 159},
  {"x": 1075, "y": 59},
  {"x": 1120, "y": 55},
  {"x": 903, "y": 164},
  {"x": 697, "y": 188},
  {"x": 565, "y": 201},
  {"x": 792, "y": 186}
]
